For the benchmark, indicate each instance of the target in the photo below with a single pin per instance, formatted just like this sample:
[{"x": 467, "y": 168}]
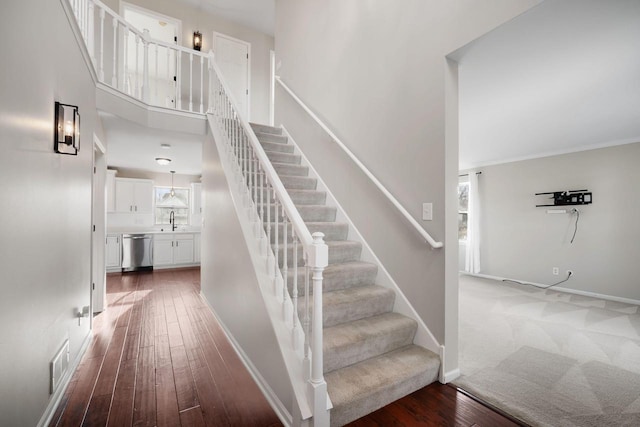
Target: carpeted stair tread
[
  {"x": 291, "y": 170},
  {"x": 331, "y": 230},
  {"x": 298, "y": 182},
  {"x": 362, "y": 388},
  {"x": 339, "y": 276},
  {"x": 309, "y": 213},
  {"x": 277, "y": 147},
  {"x": 269, "y": 137},
  {"x": 347, "y": 305},
  {"x": 300, "y": 197},
  {"x": 353, "y": 342},
  {"x": 290, "y": 158},
  {"x": 339, "y": 251},
  {"x": 257, "y": 127}
]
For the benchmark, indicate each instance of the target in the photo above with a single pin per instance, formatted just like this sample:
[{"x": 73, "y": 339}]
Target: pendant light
[{"x": 172, "y": 201}]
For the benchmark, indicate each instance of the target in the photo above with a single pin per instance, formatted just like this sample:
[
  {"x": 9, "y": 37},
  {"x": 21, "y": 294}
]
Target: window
[
  {"x": 463, "y": 208},
  {"x": 165, "y": 204}
]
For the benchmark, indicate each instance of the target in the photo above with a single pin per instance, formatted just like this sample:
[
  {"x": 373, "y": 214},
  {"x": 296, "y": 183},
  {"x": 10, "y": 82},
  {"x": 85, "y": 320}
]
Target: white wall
[
  {"x": 45, "y": 222},
  {"x": 523, "y": 242},
  {"x": 229, "y": 282},
  {"x": 375, "y": 73},
  {"x": 196, "y": 19}
]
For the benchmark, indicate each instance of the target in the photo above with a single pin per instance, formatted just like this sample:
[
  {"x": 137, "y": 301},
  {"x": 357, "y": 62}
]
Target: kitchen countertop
[{"x": 154, "y": 231}]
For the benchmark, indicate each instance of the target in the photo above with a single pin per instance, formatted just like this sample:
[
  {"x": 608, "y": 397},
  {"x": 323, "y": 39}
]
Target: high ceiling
[
  {"x": 133, "y": 146},
  {"x": 256, "y": 14},
  {"x": 563, "y": 77}
]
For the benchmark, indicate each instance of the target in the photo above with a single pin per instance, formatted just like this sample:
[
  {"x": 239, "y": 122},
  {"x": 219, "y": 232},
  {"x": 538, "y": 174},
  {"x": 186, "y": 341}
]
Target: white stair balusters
[
  {"x": 283, "y": 230},
  {"x": 129, "y": 53}
]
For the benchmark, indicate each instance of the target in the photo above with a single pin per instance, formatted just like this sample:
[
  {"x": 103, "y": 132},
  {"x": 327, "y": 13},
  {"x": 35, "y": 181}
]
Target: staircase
[{"x": 369, "y": 356}]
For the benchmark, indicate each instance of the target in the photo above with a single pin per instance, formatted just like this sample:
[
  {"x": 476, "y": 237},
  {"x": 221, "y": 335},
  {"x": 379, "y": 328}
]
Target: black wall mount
[{"x": 568, "y": 198}]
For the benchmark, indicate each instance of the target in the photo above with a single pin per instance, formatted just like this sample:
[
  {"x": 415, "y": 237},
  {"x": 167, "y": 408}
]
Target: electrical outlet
[
  {"x": 556, "y": 271},
  {"x": 427, "y": 211}
]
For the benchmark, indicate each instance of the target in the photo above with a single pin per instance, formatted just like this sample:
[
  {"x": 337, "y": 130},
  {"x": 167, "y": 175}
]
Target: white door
[{"x": 232, "y": 57}]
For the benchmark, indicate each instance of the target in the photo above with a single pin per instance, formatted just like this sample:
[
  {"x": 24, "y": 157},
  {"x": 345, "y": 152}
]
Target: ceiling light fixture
[{"x": 163, "y": 161}]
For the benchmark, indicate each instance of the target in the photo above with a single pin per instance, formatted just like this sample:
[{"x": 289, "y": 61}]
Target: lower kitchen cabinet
[
  {"x": 112, "y": 252},
  {"x": 173, "y": 250}
]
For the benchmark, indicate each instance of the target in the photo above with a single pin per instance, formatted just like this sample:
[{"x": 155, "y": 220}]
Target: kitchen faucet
[{"x": 172, "y": 220}]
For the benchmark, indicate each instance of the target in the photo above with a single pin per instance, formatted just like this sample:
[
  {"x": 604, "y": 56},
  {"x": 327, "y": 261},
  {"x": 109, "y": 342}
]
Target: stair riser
[
  {"x": 333, "y": 280},
  {"x": 298, "y": 183},
  {"x": 377, "y": 302},
  {"x": 275, "y": 146},
  {"x": 269, "y": 137},
  {"x": 266, "y": 129},
  {"x": 299, "y": 197},
  {"x": 293, "y": 159},
  {"x": 291, "y": 170},
  {"x": 357, "y": 351},
  {"x": 309, "y": 213},
  {"x": 332, "y": 231},
  {"x": 337, "y": 255}
]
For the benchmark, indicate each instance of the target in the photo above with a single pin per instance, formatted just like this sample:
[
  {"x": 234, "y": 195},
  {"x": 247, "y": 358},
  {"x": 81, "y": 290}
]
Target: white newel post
[
  {"x": 318, "y": 260},
  {"x": 145, "y": 66}
]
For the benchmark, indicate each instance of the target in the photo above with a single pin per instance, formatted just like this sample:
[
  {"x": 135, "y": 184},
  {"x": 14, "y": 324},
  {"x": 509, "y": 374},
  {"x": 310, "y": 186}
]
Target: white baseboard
[
  {"x": 275, "y": 403},
  {"x": 450, "y": 376},
  {"x": 559, "y": 289},
  {"x": 55, "y": 399}
]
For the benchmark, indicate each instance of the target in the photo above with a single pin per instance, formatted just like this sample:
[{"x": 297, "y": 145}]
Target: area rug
[{"x": 550, "y": 358}]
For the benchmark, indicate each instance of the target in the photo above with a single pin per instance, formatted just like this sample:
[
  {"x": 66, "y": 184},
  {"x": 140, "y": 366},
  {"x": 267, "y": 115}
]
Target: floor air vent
[{"x": 59, "y": 366}]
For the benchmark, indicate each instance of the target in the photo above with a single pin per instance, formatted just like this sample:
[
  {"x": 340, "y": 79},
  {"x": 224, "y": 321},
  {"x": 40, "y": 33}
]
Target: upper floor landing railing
[{"x": 128, "y": 60}]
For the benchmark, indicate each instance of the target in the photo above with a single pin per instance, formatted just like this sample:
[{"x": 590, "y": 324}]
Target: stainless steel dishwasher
[{"x": 137, "y": 252}]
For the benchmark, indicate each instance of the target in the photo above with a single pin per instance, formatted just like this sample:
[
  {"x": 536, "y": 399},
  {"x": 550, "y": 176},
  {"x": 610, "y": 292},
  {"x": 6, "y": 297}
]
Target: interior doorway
[
  {"x": 233, "y": 56},
  {"x": 163, "y": 68},
  {"x": 98, "y": 225}
]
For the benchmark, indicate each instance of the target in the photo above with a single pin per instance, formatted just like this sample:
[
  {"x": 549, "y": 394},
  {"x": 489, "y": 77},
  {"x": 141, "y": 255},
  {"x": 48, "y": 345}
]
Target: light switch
[{"x": 427, "y": 211}]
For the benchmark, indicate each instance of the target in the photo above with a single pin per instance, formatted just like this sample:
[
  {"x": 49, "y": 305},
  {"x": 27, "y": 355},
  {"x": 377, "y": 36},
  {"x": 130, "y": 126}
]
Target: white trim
[
  {"x": 552, "y": 153},
  {"x": 275, "y": 403},
  {"x": 424, "y": 337},
  {"x": 218, "y": 34},
  {"x": 153, "y": 14},
  {"x": 559, "y": 288},
  {"x": 272, "y": 87},
  {"x": 450, "y": 376},
  {"x": 55, "y": 399},
  {"x": 154, "y": 108}
]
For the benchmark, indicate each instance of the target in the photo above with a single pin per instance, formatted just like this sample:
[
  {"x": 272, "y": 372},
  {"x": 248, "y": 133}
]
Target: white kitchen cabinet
[
  {"x": 111, "y": 190},
  {"x": 183, "y": 250},
  {"x": 196, "y": 204},
  {"x": 173, "y": 249},
  {"x": 162, "y": 251},
  {"x": 134, "y": 195},
  {"x": 196, "y": 248},
  {"x": 112, "y": 252}
]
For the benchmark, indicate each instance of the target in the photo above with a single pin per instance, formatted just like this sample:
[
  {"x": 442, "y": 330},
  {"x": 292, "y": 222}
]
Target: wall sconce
[
  {"x": 67, "y": 129},
  {"x": 197, "y": 40}
]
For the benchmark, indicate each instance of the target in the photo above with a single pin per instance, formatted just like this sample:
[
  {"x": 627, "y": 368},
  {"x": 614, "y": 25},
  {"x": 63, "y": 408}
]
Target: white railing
[
  {"x": 367, "y": 172},
  {"x": 286, "y": 239},
  {"x": 131, "y": 62}
]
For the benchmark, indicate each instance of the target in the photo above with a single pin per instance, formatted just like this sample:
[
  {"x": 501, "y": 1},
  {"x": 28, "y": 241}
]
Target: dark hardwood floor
[{"x": 159, "y": 358}]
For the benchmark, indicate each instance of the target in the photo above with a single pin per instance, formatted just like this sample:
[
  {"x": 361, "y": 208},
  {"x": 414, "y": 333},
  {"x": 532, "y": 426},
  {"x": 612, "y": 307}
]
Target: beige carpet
[{"x": 550, "y": 358}]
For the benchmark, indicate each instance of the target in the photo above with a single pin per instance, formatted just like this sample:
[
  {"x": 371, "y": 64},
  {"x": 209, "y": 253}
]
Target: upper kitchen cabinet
[
  {"x": 134, "y": 195},
  {"x": 111, "y": 190},
  {"x": 196, "y": 204}
]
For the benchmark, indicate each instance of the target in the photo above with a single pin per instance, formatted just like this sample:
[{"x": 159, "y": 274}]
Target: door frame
[
  {"x": 217, "y": 34},
  {"x": 272, "y": 87},
  {"x": 97, "y": 215}
]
